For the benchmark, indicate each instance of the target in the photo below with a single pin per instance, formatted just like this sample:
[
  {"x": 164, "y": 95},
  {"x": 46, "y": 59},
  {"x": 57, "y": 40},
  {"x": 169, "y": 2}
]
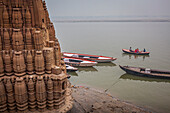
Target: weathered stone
[{"x": 32, "y": 74}]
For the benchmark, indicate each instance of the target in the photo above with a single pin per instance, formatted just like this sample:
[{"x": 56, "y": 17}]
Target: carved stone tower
[{"x": 32, "y": 73}]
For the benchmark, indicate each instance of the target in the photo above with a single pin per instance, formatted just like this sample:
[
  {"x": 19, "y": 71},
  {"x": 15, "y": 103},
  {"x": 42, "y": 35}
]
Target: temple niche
[{"x": 32, "y": 73}]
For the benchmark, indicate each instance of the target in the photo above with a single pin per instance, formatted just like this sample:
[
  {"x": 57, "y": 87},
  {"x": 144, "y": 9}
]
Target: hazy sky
[{"x": 108, "y": 7}]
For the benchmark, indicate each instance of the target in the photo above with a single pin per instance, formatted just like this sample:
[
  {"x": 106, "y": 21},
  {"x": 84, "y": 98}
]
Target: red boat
[
  {"x": 78, "y": 62},
  {"x": 133, "y": 52},
  {"x": 95, "y": 58}
]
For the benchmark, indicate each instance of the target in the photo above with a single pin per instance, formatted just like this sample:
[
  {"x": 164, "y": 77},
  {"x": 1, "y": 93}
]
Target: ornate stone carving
[
  {"x": 19, "y": 63},
  {"x": 28, "y": 40},
  {"x": 39, "y": 63},
  {"x": 32, "y": 74},
  {"x": 7, "y": 62},
  {"x": 21, "y": 96},
  {"x": 6, "y": 42},
  {"x": 17, "y": 18},
  {"x": 38, "y": 42},
  {"x": 5, "y": 18},
  {"x": 28, "y": 18},
  {"x": 31, "y": 95},
  {"x": 17, "y": 40},
  {"x": 3, "y": 99},
  {"x": 29, "y": 63},
  {"x": 41, "y": 93}
]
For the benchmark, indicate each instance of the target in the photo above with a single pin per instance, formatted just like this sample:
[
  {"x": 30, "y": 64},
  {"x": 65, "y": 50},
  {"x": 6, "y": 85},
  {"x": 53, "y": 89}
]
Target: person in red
[{"x": 137, "y": 50}]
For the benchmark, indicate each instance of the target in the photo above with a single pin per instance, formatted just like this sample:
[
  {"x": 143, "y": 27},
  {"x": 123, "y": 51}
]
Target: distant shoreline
[{"x": 125, "y": 20}]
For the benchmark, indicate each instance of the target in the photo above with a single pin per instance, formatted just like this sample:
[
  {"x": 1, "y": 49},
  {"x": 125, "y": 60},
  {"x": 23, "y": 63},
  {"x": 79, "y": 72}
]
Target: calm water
[{"x": 108, "y": 39}]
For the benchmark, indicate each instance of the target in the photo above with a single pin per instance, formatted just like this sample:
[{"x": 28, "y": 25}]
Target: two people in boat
[{"x": 136, "y": 50}]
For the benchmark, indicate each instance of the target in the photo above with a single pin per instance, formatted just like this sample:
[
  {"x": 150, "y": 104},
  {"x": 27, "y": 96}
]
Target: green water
[{"x": 108, "y": 39}]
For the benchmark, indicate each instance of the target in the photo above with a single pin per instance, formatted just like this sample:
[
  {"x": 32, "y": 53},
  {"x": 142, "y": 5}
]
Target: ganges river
[{"x": 108, "y": 39}]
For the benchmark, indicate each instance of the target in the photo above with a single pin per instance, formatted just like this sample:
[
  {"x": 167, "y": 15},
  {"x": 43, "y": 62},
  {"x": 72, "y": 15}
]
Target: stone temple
[{"x": 32, "y": 72}]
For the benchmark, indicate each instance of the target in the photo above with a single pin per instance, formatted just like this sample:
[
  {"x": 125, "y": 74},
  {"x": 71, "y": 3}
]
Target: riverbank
[{"x": 88, "y": 100}]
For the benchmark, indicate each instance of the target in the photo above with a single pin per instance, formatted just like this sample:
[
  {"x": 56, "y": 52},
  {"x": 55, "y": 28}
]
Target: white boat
[
  {"x": 71, "y": 68},
  {"x": 78, "y": 62}
]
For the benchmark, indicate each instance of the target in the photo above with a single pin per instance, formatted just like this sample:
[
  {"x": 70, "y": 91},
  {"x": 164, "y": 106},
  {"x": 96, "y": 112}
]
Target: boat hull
[
  {"x": 76, "y": 62},
  {"x": 138, "y": 73},
  {"x": 140, "y": 53},
  {"x": 79, "y": 64},
  {"x": 96, "y": 58}
]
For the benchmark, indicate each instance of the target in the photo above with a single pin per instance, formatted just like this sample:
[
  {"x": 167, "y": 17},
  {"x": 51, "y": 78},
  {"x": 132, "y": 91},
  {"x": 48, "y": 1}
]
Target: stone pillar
[
  {"x": 41, "y": 93},
  {"x": 19, "y": 64},
  {"x": 50, "y": 101},
  {"x": 28, "y": 40},
  {"x": 10, "y": 96},
  {"x": 31, "y": 95},
  {"x": 28, "y": 18},
  {"x": 29, "y": 63},
  {"x": 3, "y": 99},
  {"x": 32, "y": 12},
  {"x": 39, "y": 63},
  {"x": 5, "y": 18},
  {"x": 48, "y": 59},
  {"x": 1, "y": 66},
  {"x": 17, "y": 18},
  {"x": 6, "y": 40},
  {"x": 57, "y": 56},
  {"x": 38, "y": 42},
  {"x": 0, "y": 43},
  {"x": 7, "y": 63},
  {"x": 17, "y": 40},
  {"x": 21, "y": 96}
]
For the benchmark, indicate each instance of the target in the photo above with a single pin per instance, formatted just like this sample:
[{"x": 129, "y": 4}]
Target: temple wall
[{"x": 32, "y": 71}]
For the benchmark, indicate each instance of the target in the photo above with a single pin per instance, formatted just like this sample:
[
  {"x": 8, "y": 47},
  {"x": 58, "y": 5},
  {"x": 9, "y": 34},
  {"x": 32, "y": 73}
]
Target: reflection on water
[
  {"x": 110, "y": 64},
  {"x": 73, "y": 73},
  {"x": 87, "y": 69},
  {"x": 135, "y": 56},
  {"x": 133, "y": 77},
  {"x": 108, "y": 39}
]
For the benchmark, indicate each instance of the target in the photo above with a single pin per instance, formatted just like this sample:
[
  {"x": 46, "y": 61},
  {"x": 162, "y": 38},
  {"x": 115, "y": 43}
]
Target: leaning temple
[{"x": 32, "y": 72}]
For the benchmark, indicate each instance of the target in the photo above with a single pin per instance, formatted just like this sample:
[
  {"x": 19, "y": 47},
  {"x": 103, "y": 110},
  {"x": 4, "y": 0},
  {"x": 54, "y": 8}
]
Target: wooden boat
[
  {"x": 133, "y": 52},
  {"x": 146, "y": 72},
  {"x": 78, "y": 62},
  {"x": 95, "y": 58},
  {"x": 71, "y": 68}
]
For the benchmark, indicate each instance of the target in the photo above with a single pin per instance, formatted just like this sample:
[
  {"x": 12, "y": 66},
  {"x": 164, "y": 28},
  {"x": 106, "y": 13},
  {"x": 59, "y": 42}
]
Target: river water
[{"x": 108, "y": 38}]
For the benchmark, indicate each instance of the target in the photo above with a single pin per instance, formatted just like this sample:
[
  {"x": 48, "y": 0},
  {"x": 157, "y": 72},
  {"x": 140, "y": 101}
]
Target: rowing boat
[
  {"x": 96, "y": 58},
  {"x": 133, "y": 52},
  {"x": 71, "y": 68},
  {"x": 146, "y": 72},
  {"x": 78, "y": 62}
]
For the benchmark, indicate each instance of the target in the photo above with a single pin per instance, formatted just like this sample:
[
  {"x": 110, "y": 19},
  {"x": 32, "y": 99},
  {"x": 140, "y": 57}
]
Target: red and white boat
[
  {"x": 133, "y": 52},
  {"x": 96, "y": 58},
  {"x": 78, "y": 62}
]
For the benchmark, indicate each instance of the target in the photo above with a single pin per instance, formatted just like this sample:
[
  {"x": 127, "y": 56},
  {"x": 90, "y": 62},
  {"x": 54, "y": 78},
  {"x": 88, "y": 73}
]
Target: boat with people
[
  {"x": 71, "y": 68},
  {"x": 96, "y": 58},
  {"x": 78, "y": 62},
  {"x": 146, "y": 72},
  {"x": 136, "y": 53}
]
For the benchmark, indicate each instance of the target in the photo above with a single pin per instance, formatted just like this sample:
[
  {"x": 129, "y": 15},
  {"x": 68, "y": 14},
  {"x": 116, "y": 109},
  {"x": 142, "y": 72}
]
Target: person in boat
[
  {"x": 137, "y": 50},
  {"x": 144, "y": 50},
  {"x": 130, "y": 49}
]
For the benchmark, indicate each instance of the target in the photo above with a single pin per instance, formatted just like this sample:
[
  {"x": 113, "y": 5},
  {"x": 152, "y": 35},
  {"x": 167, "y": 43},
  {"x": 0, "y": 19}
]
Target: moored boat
[
  {"x": 71, "y": 68},
  {"x": 78, "y": 62},
  {"x": 146, "y": 72},
  {"x": 96, "y": 58},
  {"x": 133, "y": 52}
]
